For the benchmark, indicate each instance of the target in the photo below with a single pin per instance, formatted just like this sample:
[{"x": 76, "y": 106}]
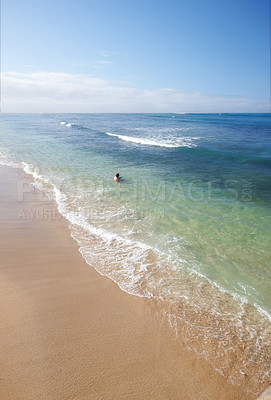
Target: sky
[{"x": 135, "y": 56}]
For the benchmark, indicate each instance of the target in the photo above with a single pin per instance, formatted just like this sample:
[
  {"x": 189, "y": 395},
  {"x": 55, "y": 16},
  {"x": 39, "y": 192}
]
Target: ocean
[{"x": 188, "y": 226}]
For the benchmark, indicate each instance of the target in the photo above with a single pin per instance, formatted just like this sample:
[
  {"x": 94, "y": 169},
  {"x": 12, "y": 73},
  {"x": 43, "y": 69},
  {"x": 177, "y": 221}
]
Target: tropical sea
[{"x": 188, "y": 226}]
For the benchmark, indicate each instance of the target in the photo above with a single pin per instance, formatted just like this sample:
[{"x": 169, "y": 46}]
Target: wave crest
[{"x": 184, "y": 141}]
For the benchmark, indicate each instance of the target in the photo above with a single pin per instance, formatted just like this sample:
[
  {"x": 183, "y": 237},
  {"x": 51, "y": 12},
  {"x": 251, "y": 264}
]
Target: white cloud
[
  {"x": 101, "y": 63},
  {"x": 63, "y": 92},
  {"x": 103, "y": 53}
]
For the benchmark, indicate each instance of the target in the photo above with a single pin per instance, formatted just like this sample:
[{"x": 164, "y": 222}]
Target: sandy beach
[{"x": 68, "y": 332}]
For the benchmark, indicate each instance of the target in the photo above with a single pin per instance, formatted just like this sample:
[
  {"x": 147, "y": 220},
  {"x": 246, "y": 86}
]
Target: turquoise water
[{"x": 189, "y": 225}]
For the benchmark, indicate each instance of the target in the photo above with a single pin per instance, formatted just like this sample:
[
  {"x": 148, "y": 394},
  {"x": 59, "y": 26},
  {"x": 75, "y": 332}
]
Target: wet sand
[{"x": 68, "y": 332}]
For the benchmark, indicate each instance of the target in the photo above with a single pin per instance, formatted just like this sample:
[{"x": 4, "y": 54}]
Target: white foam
[
  {"x": 263, "y": 312},
  {"x": 31, "y": 170},
  {"x": 66, "y": 123},
  {"x": 5, "y": 160},
  {"x": 180, "y": 142}
]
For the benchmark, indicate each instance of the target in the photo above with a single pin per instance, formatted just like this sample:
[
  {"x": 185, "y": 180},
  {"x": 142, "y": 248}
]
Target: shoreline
[{"x": 68, "y": 332}]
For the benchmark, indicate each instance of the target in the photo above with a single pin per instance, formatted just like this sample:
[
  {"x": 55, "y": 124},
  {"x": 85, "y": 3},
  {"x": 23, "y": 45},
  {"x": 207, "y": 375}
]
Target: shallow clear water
[{"x": 190, "y": 224}]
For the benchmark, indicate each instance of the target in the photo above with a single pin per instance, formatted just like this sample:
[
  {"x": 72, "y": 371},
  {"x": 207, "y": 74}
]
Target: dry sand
[{"x": 69, "y": 333}]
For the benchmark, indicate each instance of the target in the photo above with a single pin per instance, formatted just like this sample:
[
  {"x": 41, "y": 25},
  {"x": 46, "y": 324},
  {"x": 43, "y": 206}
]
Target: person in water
[{"x": 117, "y": 178}]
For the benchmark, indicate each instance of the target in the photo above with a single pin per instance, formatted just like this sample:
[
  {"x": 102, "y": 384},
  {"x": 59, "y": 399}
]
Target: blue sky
[{"x": 121, "y": 56}]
